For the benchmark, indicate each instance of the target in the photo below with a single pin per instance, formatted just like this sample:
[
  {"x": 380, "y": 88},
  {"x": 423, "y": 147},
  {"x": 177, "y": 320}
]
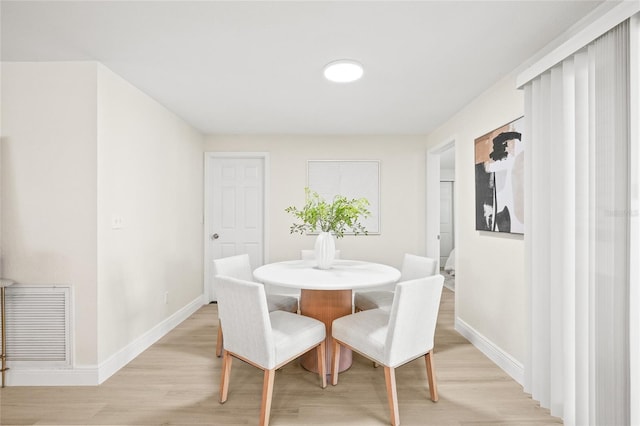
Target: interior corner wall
[
  {"x": 402, "y": 186},
  {"x": 150, "y": 186},
  {"x": 49, "y": 185},
  {"x": 491, "y": 299}
]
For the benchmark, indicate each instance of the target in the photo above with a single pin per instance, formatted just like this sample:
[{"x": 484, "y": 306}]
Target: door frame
[
  {"x": 210, "y": 155},
  {"x": 452, "y": 185},
  {"x": 432, "y": 198}
]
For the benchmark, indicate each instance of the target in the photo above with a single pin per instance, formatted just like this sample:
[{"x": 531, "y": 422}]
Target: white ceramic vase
[{"x": 325, "y": 250}]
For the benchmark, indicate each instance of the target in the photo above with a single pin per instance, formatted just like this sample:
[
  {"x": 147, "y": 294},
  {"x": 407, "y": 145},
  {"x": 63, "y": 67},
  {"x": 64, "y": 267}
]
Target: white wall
[
  {"x": 447, "y": 175},
  {"x": 49, "y": 184},
  {"x": 402, "y": 175},
  {"x": 150, "y": 175},
  {"x": 81, "y": 146},
  {"x": 490, "y": 292}
]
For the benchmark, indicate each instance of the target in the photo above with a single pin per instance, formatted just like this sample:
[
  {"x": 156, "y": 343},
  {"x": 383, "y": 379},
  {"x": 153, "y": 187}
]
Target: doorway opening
[
  {"x": 447, "y": 214},
  {"x": 440, "y": 209}
]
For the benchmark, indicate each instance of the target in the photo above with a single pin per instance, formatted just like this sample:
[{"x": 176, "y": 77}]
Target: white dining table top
[{"x": 343, "y": 274}]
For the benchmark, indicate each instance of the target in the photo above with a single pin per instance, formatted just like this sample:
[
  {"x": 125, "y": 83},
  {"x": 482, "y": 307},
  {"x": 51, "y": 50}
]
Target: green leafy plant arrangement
[{"x": 339, "y": 216}]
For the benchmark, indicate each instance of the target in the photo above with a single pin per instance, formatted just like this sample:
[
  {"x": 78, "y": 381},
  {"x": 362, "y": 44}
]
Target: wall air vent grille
[{"x": 38, "y": 326}]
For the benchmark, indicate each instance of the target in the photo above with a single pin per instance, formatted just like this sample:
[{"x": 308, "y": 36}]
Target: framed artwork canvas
[{"x": 499, "y": 174}]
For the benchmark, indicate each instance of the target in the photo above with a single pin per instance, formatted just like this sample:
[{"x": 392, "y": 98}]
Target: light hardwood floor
[{"x": 176, "y": 382}]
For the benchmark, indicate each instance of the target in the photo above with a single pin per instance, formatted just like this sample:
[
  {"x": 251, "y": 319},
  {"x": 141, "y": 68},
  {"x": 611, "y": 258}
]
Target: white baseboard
[
  {"x": 502, "y": 359},
  {"x": 95, "y": 375},
  {"x": 77, "y": 376},
  {"x": 135, "y": 348}
]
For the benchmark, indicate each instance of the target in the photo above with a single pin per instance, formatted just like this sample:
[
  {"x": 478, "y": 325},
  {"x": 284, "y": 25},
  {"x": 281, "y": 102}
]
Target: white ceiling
[{"x": 256, "y": 67}]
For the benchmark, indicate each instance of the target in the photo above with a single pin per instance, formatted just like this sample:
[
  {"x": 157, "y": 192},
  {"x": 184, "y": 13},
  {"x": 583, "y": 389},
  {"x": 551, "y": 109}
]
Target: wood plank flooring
[{"x": 175, "y": 382}]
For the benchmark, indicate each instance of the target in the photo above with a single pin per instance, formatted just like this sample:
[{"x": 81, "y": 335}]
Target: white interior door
[
  {"x": 446, "y": 221},
  {"x": 235, "y": 206}
]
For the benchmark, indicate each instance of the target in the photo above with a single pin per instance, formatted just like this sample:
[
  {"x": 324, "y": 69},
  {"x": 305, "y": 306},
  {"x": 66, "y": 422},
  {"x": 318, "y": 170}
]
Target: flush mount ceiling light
[{"x": 343, "y": 71}]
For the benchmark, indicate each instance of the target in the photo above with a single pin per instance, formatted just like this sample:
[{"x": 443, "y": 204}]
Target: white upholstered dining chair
[
  {"x": 396, "y": 336},
  {"x": 239, "y": 266},
  {"x": 412, "y": 267},
  {"x": 266, "y": 340}
]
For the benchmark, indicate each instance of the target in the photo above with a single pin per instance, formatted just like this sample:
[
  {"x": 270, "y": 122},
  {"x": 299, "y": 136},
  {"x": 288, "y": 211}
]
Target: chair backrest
[
  {"x": 238, "y": 266},
  {"x": 243, "y": 311},
  {"x": 412, "y": 319},
  {"x": 417, "y": 267},
  {"x": 311, "y": 254}
]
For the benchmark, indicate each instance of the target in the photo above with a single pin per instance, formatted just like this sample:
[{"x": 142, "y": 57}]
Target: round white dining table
[{"x": 326, "y": 294}]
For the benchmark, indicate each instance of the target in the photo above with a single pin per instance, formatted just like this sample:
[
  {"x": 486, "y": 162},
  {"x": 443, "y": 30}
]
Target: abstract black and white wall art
[{"x": 499, "y": 170}]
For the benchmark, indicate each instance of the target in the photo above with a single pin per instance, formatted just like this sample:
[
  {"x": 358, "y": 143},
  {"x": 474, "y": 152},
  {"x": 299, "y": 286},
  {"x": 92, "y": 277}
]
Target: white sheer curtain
[
  {"x": 578, "y": 233},
  {"x": 634, "y": 222}
]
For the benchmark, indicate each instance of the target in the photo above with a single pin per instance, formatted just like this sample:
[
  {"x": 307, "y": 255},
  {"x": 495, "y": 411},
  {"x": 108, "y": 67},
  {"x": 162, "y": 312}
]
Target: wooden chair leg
[
  {"x": 428, "y": 358},
  {"x": 219, "y": 342},
  {"x": 392, "y": 394},
  {"x": 335, "y": 362},
  {"x": 225, "y": 375},
  {"x": 267, "y": 392},
  {"x": 322, "y": 365}
]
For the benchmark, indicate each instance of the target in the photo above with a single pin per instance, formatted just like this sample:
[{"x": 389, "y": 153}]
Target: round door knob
[{"x": 215, "y": 236}]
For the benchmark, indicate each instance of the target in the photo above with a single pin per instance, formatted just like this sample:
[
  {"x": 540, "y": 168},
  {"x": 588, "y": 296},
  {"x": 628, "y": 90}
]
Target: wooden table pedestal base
[{"x": 325, "y": 306}]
